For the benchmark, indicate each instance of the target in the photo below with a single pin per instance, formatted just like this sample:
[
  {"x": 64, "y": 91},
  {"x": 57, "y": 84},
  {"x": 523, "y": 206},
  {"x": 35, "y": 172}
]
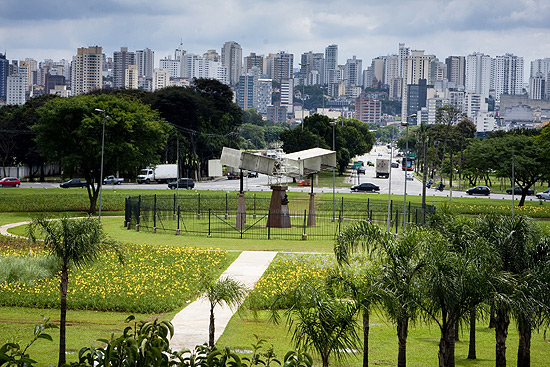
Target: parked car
[
  {"x": 10, "y": 181},
  {"x": 409, "y": 176},
  {"x": 518, "y": 191},
  {"x": 361, "y": 170},
  {"x": 479, "y": 190},
  {"x": 394, "y": 165},
  {"x": 182, "y": 183},
  {"x": 74, "y": 182},
  {"x": 369, "y": 163},
  {"x": 112, "y": 180},
  {"x": 545, "y": 195},
  {"x": 365, "y": 186},
  {"x": 233, "y": 176},
  {"x": 252, "y": 175},
  {"x": 304, "y": 182}
]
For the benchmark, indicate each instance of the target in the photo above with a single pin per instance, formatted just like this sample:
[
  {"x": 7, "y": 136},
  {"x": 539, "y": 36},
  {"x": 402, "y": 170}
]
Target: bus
[{"x": 407, "y": 164}]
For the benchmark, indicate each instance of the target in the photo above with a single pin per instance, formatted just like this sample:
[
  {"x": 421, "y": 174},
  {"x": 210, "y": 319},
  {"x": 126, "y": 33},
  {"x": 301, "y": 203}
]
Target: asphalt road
[{"x": 397, "y": 180}]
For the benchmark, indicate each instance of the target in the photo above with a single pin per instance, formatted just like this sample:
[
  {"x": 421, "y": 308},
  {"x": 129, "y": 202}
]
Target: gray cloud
[{"x": 54, "y": 29}]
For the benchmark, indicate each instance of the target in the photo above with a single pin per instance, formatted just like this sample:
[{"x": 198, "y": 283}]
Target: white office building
[
  {"x": 161, "y": 79},
  {"x": 16, "y": 88}
]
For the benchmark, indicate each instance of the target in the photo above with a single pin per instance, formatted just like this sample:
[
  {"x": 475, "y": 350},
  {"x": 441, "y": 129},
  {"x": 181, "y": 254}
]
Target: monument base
[{"x": 278, "y": 208}]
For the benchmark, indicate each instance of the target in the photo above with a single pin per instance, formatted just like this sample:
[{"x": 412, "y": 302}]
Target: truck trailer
[
  {"x": 383, "y": 167},
  {"x": 162, "y": 173}
]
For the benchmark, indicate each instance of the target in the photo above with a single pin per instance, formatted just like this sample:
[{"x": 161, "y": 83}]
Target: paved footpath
[{"x": 191, "y": 324}]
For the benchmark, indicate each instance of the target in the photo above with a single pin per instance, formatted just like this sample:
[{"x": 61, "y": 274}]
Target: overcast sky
[{"x": 42, "y": 29}]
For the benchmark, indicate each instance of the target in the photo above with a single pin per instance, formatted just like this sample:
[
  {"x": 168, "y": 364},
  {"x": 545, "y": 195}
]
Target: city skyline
[{"x": 441, "y": 28}]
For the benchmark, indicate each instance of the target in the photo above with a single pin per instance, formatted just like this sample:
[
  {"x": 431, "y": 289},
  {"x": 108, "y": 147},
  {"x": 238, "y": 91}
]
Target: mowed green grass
[{"x": 85, "y": 327}]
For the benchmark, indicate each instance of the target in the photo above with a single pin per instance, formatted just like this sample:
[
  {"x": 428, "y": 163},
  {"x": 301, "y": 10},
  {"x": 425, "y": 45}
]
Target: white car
[
  {"x": 409, "y": 176},
  {"x": 545, "y": 195}
]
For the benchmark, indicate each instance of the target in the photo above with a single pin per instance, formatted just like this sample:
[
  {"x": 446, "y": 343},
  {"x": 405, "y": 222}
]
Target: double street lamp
[{"x": 105, "y": 117}]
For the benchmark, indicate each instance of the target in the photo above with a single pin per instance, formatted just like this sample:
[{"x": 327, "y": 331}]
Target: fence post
[
  {"x": 371, "y": 215},
  {"x": 396, "y": 220},
  {"x": 125, "y": 212},
  {"x": 342, "y": 210},
  {"x": 209, "y": 223},
  {"x": 391, "y": 210},
  {"x": 368, "y": 205},
  {"x": 416, "y": 216},
  {"x": 199, "y": 208},
  {"x": 174, "y": 211},
  {"x": 178, "y": 226},
  {"x": 254, "y": 216},
  {"x": 155, "y": 214},
  {"x": 226, "y": 205},
  {"x": 409, "y": 213},
  {"x": 241, "y": 227},
  {"x": 268, "y": 224},
  {"x": 138, "y": 213},
  {"x": 304, "y": 235}
]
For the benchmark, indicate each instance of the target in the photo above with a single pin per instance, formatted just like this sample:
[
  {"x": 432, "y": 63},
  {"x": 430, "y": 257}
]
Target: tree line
[{"x": 450, "y": 148}]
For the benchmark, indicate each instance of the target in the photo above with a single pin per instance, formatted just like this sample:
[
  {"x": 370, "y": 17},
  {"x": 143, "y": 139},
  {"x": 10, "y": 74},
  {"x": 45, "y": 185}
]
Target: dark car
[
  {"x": 394, "y": 165},
  {"x": 10, "y": 181},
  {"x": 183, "y": 183},
  {"x": 365, "y": 186},
  {"x": 233, "y": 176},
  {"x": 74, "y": 182},
  {"x": 519, "y": 191},
  {"x": 252, "y": 175},
  {"x": 479, "y": 190},
  {"x": 361, "y": 170}
]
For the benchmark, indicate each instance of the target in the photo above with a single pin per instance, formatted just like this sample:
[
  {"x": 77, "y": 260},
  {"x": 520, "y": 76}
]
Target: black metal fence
[{"x": 217, "y": 216}]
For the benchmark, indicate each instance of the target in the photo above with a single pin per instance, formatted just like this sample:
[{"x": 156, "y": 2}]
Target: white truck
[
  {"x": 162, "y": 173},
  {"x": 383, "y": 167}
]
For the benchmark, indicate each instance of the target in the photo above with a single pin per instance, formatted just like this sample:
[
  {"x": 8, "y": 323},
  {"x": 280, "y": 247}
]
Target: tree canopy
[{"x": 69, "y": 131}]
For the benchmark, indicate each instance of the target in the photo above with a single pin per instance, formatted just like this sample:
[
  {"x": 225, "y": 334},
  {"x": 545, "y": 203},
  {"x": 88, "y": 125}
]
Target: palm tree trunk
[
  {"x": 501, "y": 332},
  {"x": 63, "y": 318},
  {"x": 524, "y": 347},
  {"x": 447, "y": 345},
  {"x": 472, "y": 345},
  {"x": 402, "y": 332},
  {"x": 366, "y": 327},
  {"x": 211, "y": 329}
]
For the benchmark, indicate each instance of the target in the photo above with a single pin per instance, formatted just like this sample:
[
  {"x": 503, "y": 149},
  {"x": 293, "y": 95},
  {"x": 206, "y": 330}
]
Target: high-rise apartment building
[
  {"x": 265, "y": 92},
  {"x": 331, "y": 60},
  {"x": 17, "y": 87},
  {"x": 353, "y": 72},
  {"x": 287, "y": 94},
  {"x": 122, "y": 59},
  {"x": 507, "y": 75},
  {"x": 537, "y": 87},
  {"x": 283, "y": 63},
  {"x": 456, "y": 70},
  {"x": 368, "y": 109},
  {"x": 540, "y": 68},
  {"x": 4, "y": 72},
  {"x": 416, "y": 67},
  {"x": 403, "y": 53},
  {"x": 173, "y": 66},
  {"x": 247, "y": 92},
  {"x": 378, "y": 70},
  {"x": 212, "y": 55},
  {"x": 131, "y": 77},
  {"x": 86, "y": 70},
  {"x": 161, "y": 79},
  {"x": 232, "y": 59},
  {"x": 478, "y": 73},
  {"x": 252, "y": 61},
  {"x": 145, "y": 60}
]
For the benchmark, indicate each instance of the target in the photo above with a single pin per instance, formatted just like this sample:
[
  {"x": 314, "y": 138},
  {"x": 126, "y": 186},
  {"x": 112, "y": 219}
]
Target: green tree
[
  {"x": 402, "y": 260},
  {"x": 524, "y": 261},
  {"x": 69, "y": 131},
  {"x": 219, "y": 291},
  {"x": 75, "y": 242},
  {"x": 254, "y": 134},
  {"x": 251, "y": 116},
  {"x": 319, "y": 319}
]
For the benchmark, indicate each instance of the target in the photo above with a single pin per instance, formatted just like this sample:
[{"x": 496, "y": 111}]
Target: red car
[{"x": 10, "y": 181}]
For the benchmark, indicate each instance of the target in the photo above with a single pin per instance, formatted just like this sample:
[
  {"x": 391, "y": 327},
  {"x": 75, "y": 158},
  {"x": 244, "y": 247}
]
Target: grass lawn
[{"x": 422, "y": 342}]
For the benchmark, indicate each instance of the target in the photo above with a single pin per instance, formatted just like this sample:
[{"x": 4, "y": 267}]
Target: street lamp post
[
  {"x": 333, "y": 124},
  {"x": 101, "y": 169},
  {"x": 406, "y": 124}
]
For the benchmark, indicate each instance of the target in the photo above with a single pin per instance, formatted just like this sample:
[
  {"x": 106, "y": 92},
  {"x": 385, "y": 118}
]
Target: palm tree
[
  {"x": 401, "y": 261},
  {"x": 524, "y": 254},
  {"x": 75, "y": 242},
  {"x": 217, "y": 292},
  {"x": 320, "y": 319},
  {"x": 359, "y": 282}
]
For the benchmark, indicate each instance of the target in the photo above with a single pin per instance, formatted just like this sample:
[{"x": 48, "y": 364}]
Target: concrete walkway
[
  {"x": 191, "y": 324},
  {"x": 5, "y": 227}
]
